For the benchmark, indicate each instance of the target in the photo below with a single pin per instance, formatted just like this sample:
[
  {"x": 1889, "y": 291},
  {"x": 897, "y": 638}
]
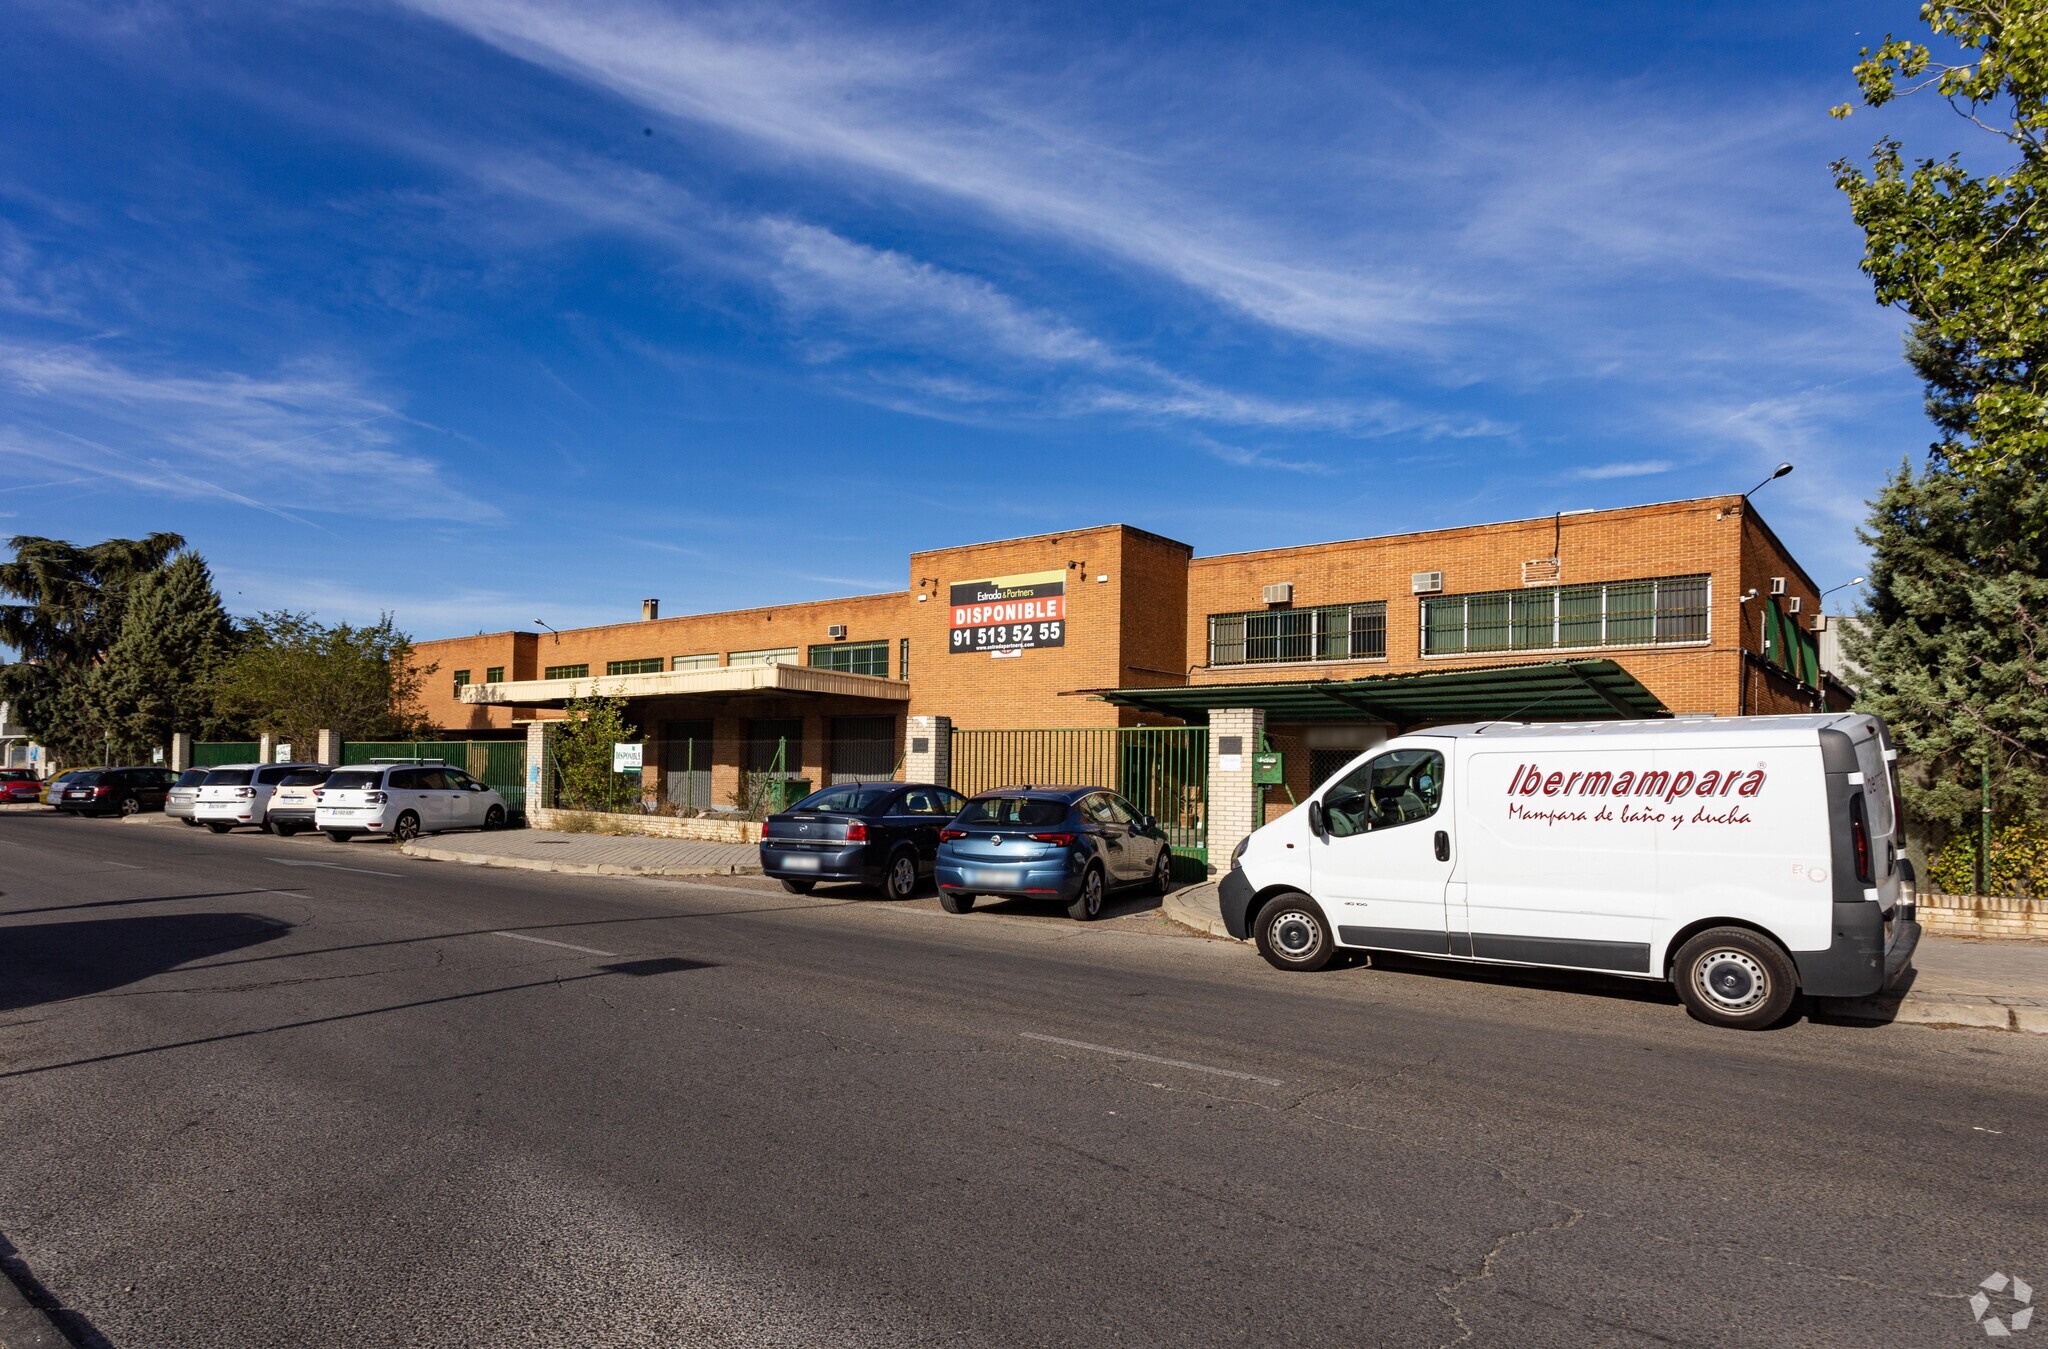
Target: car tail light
[
  {"x": 945, "y": 834},
  {"x": 856, "y": 832},
  {"x": 1062, "y": 840},
  {"x": 374, "y": 798},
  {"x": 319, "y": 792},
  {"x": 103, "y": 791},
  {"x": 1859, "y": 837},
  {"x": 246, "y": 793}
]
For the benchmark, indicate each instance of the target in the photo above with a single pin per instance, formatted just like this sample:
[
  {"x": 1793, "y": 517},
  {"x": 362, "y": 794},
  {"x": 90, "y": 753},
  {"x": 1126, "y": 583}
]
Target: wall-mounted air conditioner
[
  {"x": 1777, "y": 585},
  {"x": 836, "y": 632},
  {"x": 1281, "y": 592},
  {"x": 1820, "y": 622},
  {"x": 1425, "y": 582},
  {"x": 1792, "y": 605}
]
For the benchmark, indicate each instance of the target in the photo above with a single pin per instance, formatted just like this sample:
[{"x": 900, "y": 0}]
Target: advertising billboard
[{"x": 1008, "y": 614}]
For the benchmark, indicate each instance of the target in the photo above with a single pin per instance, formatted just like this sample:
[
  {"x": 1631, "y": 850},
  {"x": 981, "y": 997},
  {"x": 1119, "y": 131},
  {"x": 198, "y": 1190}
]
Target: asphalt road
[{"x": 274, "y": 1093}]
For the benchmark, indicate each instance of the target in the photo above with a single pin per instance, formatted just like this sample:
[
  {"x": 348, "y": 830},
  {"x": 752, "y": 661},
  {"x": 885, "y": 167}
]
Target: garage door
[{"x": 864, "y": 749}]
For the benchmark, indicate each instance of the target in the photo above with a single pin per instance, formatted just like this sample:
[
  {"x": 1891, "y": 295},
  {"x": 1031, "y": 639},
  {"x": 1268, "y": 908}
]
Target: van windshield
[
  {"x": 1031, "y": 810},
  {"x": 227, "y": 777},
  {"x": 355, "y": 780}
]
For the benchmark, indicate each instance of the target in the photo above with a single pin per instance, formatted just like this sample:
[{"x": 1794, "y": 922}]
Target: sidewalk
[
  {"x": 1996, "y": 985},
  {"x": 590, "y": 854}
]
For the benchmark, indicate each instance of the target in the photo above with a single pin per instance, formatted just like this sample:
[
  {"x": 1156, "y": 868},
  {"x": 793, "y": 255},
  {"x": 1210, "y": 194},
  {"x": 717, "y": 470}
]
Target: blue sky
[{"x": 484, "y": 311}]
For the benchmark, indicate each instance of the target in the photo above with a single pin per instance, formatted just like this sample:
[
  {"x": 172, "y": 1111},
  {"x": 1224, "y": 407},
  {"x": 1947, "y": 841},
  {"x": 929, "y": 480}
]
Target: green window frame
[
  {"x": 646, "y": 665},
  {"x": 707, "y": 660},
  {"x": 461, "y": 679},
  {"x": 566, "y": 672},
  {"x": 1329, "y": 632},
  {"x": 494, "y": 674},
  {"x": 1661, "y": 611},
  {"x": 868, "y": 658}
]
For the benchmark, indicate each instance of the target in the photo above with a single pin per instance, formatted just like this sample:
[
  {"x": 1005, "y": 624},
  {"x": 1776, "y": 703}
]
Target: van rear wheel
[
  {"x": 1292, "y": 933},
  {"x": 1733, "y": 977}
]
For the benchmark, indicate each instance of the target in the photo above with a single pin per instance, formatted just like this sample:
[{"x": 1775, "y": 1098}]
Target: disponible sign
[
  {"x": 626, "y": 758},
  {"x": 1010, "y": 613}
]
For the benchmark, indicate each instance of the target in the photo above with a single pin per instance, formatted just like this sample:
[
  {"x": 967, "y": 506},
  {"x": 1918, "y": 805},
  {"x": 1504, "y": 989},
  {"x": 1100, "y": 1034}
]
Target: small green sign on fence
[{"x": 1269, "y": 768}]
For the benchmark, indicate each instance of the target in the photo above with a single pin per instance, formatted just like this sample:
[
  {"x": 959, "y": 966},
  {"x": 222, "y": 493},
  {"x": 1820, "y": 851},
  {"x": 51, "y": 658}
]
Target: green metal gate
[
  {"x": 214, "y": 753},
  {"x": 1163, "y": 771},
  {"x": 500, "y": 764}
]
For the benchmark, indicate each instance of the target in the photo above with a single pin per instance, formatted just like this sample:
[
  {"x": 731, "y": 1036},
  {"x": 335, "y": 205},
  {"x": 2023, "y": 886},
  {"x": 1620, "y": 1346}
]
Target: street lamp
[
  {"x": 538, "y": 624},
  {"x": 1776, "y": 473},
  {"x": 1844, "y": 586}
]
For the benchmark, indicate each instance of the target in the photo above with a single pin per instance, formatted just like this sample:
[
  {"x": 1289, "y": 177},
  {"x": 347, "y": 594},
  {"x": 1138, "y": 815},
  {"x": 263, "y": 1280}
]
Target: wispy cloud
[
  {"x": 302, "y": 440},
  {"x": 1627, "y": 468}
]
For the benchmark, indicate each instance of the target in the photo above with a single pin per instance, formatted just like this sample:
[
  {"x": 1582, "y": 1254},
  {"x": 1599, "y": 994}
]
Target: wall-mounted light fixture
[{"x": 537, "y": 623}]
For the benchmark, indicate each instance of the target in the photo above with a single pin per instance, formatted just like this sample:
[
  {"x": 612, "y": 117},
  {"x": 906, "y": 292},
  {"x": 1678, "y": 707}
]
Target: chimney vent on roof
[{"x": 650, "y": 610}]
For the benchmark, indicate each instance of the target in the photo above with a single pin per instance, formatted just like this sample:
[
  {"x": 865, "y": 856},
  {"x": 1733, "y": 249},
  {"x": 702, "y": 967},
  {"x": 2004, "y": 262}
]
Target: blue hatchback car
[{"x": 1073, "y": 844}]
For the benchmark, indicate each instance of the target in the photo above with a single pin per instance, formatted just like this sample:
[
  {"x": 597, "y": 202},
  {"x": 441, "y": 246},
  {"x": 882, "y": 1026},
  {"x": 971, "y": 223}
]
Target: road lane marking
[
  {"x": 547, "y": 941},
  {"x": 1153, "y": 1058},
  {"x": 336, "y": 866},
  {"x": 130, "y": 866}
]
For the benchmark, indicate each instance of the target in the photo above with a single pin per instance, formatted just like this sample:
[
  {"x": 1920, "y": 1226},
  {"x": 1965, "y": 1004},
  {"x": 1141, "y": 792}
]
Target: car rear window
[
  {"x": 855, "y": 800},
  {"x": 355, "y": 780},
  {"x": 228, "y": 777},
  {"x": 305, "y": 777},
  {"x": 81, "y": 779},
  {"x": 1013, "y": 810},
  {"x": 192, "y": 777}
]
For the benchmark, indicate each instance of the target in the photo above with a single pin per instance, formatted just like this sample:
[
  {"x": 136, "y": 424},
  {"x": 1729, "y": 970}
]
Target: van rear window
[
  {"x": 227, "y": 777},
  {"x": 355, "y": 780},
  {"x": 1877, "y": 785}
]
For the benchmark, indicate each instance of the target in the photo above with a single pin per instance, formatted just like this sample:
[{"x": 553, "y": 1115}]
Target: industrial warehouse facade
[{"x": 1296, "y": 657}]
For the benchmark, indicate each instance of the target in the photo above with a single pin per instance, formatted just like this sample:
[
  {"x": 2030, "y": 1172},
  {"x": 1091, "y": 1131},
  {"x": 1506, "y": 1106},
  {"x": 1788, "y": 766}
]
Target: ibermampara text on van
[{"x": 1530, "y": 780}]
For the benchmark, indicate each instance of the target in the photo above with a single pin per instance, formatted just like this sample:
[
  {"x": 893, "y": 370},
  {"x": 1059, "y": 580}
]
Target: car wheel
[
  {"x": 954, "y": 902},
  {"x": 338, "y": 835},
  {"x": 130, "y": 806},
  {"x": 191, "y": 823},
  {"x": 219, "y": 826},
  {"x": 1730, "y": 976},
  {"x": 266, "y": 827},
  {"x": 494, "y": 818},
  {"x": 798, "y": 887},
  {"x": 1087, "y": 905},
  {"x": 1293, "y": 934},
  {"x": 1162, "y": 873},
  {"x": 900, "y": 880},
  {"x": 407, "y": 827},
  {"x": 285, "y": 830}
]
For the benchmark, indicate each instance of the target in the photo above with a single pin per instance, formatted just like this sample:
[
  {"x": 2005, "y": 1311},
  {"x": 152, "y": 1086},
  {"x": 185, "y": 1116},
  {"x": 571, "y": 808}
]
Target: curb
[
  {"x": 1979, "y": 1011},
  {"x": 1195, "y": 907},
  {"x": 568, "y": 868}
]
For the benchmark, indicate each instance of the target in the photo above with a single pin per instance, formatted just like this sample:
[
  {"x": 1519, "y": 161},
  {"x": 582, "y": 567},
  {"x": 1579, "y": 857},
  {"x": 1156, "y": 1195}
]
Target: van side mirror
[{"x": 1316, "y": 824}]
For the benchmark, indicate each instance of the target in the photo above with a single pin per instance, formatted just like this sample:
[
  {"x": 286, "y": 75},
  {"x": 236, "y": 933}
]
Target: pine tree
[{"x": 157, "y": 678}]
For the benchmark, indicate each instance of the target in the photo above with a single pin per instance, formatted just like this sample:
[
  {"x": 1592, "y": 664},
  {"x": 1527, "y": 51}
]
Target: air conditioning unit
[
  {"x": 1281, "y": 592},
  {"x": 837, "y": 632},
  {"x": 1792, "y": 605},
  {"x": 1820, "y": 622},
  {"x": 1425, "y": 582},
  {"x": 1777, "y": 585}
]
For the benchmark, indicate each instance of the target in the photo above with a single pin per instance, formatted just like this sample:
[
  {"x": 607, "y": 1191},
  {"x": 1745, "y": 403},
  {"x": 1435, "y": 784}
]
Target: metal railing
[{"x": 1163, "y": 771}]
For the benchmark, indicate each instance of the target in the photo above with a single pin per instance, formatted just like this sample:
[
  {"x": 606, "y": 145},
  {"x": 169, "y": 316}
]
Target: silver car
[{"x": 184, "y": 794}]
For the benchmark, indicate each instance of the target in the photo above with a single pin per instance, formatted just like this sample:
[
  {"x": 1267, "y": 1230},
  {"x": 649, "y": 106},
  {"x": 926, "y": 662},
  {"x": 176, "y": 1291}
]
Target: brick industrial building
[{"x": 1689, "y": 607}]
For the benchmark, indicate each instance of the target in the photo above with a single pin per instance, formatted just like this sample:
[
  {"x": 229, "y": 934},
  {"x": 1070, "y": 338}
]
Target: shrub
[{"x": 2017, "y": 865}]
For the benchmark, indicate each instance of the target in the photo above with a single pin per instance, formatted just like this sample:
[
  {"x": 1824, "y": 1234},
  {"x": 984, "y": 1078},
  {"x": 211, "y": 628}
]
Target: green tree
[
  {"x": 70, "y": 604},
  {"x": 1966, "y": 256},
  {"x": 1955, "y": 629},
  {"x": 583, "y": 742},
  {"x": 294, "y": 676},
  {"x": 157, "y": 677}
]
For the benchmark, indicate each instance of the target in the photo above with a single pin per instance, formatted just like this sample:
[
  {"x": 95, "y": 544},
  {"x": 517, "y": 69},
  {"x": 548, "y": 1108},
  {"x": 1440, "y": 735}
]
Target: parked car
[
  {"x": 113, "y": 791},
  {"x": 1746, "y": 860},
  {"x": 879, "y": 834},
  {"x": 184, "y": 794},
  {"x": 239, "y": 793},
  {"x": 19, "y": 786},
  {"x": 53, "y": 790},
  {"x": 1073, "y": 844},
  {"x": 292, "y": 805},
  {"x": 404, "y": 801}
]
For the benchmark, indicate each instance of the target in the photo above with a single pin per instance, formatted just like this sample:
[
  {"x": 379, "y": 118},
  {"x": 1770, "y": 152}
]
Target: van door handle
[{"x": 1443, "y": 846}]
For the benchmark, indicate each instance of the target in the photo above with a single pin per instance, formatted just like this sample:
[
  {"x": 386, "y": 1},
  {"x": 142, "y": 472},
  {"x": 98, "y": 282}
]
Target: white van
[
  {"x": 1745, "y": 859},
  {"x": 239, "y": 793}
]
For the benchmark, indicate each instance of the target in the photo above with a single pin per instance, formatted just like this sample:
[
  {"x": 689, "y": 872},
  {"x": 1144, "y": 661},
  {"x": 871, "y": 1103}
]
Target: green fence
[
  {"x": 500, "y": 764},
  {"x": 1163, "y": 771},
  {"x": 214, "y": 753}
]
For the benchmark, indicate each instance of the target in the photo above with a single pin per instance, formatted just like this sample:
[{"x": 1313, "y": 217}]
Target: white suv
[
  {"x": 404, "y": 801},
  {"x": 239, "y": 793}
]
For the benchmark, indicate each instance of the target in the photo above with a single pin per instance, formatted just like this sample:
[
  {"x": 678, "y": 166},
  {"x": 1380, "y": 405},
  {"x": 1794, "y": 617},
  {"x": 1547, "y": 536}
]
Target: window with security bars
[
  {"x": 1667, "y": 611},
  {"x": 494, "y": 674},
  {"x": 651, "y": 665},
  {"x": 868, "y": 658},
  {"x": 1330, "y": 632},
  {"x": 566, "y": 672}
]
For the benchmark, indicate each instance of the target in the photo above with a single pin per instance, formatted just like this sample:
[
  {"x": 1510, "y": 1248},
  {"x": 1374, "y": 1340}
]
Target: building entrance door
[{"x": 686, "y": 763}]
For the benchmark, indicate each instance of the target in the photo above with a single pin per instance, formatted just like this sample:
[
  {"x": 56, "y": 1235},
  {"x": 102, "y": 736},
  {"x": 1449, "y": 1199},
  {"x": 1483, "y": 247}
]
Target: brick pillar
[
  {"x": 1233, "y": 738},
  {"x": 728, "y": 758},
  {"x": 816, "y": 753},
  {"x": 928, "y": 750},
  {"x": 540, "y": 774},
  {"x": 327, "y": 748},
  {"x": 181, "y": 751},
  {"x": 266, "y": 747}
]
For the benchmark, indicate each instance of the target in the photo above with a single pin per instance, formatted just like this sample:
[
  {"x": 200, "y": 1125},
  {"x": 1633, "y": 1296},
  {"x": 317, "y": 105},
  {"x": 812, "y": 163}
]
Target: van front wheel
[
  {"x": 1730, "y": 976},
  {"x": 1293, "y": 934}
]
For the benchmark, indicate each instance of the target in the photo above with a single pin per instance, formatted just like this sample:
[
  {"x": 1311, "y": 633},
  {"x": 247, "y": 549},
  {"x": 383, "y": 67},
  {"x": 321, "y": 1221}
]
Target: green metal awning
[{"x": 1565, "y": 690}]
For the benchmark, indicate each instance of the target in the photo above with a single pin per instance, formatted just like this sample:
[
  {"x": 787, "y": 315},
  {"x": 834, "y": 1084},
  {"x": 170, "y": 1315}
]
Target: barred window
[
  {"x": 706, "y": 661},
  {"x": 494, "y": 674},
  {"x": 1331, "y": 632},
  {"x": 781, "y": 655},
  {"x": 649, "y": 665},
  {"x": 868, "y": 658},
  {"x": 566, "y": 672},
  {"x": 1665, "y": 611}
]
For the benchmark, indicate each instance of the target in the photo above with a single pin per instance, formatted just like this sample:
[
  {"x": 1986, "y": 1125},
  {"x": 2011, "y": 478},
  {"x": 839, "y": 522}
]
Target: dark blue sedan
[
  {"x": 1072, "y": 844},
  {"x": 881, "y": 834}
]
